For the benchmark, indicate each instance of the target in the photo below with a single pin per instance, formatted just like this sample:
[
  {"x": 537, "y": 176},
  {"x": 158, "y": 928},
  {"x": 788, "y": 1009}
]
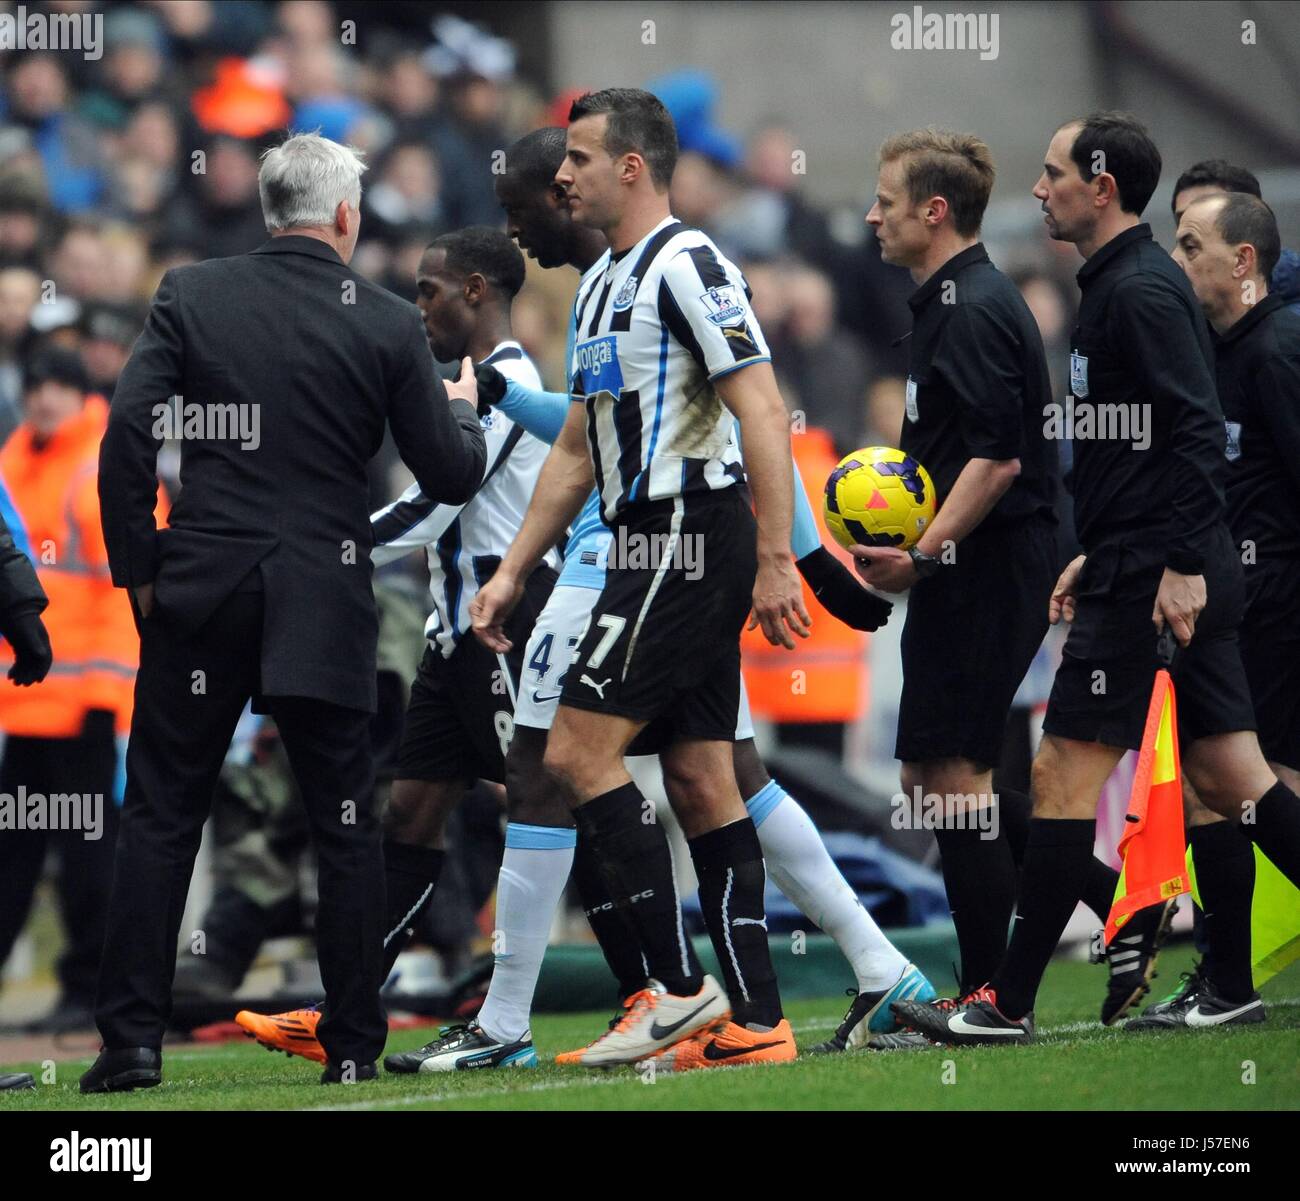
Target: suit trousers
[{"x": 189, "y": 694}]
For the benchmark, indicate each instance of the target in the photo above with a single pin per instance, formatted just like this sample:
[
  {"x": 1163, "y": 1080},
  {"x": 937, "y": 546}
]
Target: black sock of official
[
  {"x": 1015, "y": 809},
  {"x": 1017, "y": 812},
  {"x": 609, "y": 922},
  {"x": 1051, "y": 884},
  {"x": 1225, "y": 876},
  {"x": 1276, "y": 829},
  {"x": 410, "y": 876},
  {"x": 1099, "y": 888},
  {"x": 980, "y": 878},
  {"x": 639, "y": 869},
  {"x": 729, "y": 864}
]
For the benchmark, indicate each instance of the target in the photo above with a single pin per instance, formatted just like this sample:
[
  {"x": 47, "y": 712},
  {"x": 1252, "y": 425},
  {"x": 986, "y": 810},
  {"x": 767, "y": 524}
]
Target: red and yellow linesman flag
[{"x": 1154, "y": 847}]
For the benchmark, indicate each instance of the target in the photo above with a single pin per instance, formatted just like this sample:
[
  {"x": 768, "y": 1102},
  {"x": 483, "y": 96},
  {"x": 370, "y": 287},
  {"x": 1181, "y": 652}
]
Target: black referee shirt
[
  {"x": 1258, "y": 373},
  {"x": 978, "y": 383},
  {"x": 1149, "y": 463}
]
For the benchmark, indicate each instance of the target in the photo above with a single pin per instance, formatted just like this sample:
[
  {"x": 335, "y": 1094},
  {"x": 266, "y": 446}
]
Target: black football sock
[
  {"x": 1225, "y": 876},
  {"x": 1015, "y": 809},
  {"x": 729, "y": 864},
  {"x": 1051, "y": 884},
  {"x": 638, "y": 866},
  {"x": 1099, "y": 888},
  {"x": 410, "y": 876},
  {"x": 1276, "y": 829},
  {"x": 609, "y": 923},
  {"x": 1017, "y": 812},
  {"x": 615, "y": 934},
  {"x": 979, "y": 875}
]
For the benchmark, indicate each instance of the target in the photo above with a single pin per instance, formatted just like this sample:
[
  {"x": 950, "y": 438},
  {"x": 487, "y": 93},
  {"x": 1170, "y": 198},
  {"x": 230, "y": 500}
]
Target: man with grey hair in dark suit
[{"x": 277, "y": 371}]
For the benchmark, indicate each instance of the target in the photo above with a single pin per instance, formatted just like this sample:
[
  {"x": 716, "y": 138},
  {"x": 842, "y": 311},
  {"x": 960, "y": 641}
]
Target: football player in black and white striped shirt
[{"x": 668, "y": 357}]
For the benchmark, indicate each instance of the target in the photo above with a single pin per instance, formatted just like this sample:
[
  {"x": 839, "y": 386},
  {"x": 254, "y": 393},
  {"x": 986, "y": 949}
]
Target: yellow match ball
[{"x": 878, "y": 496}]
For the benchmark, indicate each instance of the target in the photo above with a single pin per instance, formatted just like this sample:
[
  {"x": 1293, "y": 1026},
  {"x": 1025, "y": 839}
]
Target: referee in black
[
  {"x": 1149, "y": 506},
  {"x": 287, "y": 365},
  {"x": 981, "y": 574},
  {"x": 1229, "y": 244}
]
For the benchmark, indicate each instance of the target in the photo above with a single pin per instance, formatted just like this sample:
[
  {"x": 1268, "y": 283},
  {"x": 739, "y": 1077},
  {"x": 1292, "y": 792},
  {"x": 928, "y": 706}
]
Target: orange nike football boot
[
  {"x": 294, "y": 1032},
  {"x": 652, "y": 1020},
  {"x": 725, "y": 1044}
]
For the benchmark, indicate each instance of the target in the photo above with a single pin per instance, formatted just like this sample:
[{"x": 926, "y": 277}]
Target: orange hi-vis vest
[
  {"x": 824, "y": 679},
  {"x": 54, "y": 488}
]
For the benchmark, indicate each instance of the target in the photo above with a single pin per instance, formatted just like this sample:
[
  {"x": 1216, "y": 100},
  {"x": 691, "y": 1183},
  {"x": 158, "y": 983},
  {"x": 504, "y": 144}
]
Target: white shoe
[{"x": 655, "y": 1019}]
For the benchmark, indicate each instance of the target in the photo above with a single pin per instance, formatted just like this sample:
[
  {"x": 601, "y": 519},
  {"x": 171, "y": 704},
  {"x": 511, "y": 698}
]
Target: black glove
[
  {"x": 491, "y": 387},
  {"x": 32, "y": 657},
  {"x": 839, "y": 592}
]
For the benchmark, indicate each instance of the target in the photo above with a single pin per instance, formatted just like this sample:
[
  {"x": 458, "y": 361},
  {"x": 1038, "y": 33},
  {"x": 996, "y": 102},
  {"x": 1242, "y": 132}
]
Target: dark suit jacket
[{"x": 315, "y": 359}]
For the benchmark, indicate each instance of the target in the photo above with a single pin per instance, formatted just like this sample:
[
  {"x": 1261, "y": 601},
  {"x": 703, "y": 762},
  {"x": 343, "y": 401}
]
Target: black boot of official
[
  {"x": 349, "y": 1073},
  {"x": 122, "y": 1070}
]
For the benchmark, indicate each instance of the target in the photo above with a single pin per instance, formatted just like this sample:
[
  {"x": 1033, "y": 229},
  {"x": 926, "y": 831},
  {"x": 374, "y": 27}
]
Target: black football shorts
[
  {"x": 972, "y": 631},
  {"x": 663, "y": 642},
  {"x": 460, "y": 717},
  {"x": 1270, "y": 651},
  {"x": 1102, "y": 689}
]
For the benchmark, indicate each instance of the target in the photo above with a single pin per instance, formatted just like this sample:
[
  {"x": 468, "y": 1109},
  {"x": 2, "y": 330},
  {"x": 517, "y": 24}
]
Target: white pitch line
[
  {"x": 1072, "y": 1028},
  {"x": 456, "y": 1095}
]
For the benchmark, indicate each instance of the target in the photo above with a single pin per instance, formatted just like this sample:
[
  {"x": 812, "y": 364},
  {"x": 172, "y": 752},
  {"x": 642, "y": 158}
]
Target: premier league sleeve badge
[
  {"x": 1079, "y": 375},
  {"x": 1233, "y": 446}
]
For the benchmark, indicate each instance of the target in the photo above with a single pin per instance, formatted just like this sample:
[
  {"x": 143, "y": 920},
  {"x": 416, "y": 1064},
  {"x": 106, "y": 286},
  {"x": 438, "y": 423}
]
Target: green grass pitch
[{"x": 1076, "y": 1064}]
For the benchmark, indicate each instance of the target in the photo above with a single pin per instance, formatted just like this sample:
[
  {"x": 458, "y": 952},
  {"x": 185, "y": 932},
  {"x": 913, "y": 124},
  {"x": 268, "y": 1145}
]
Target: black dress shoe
[
  {"x": 119, "y": 1071},
  {"x": 17, "y": 1080},
  {"x": 356, "y": 1072}
]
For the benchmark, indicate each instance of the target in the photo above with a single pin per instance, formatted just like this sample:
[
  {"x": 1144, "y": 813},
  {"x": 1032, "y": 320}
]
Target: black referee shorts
[
  {"x": 461, "y": 714},
  {"x": 1270, "y": 652},
  {"x": 663, "y": 642},
  {"x": 972, "y": 631},
  {"x": 1103, "y": 687}
]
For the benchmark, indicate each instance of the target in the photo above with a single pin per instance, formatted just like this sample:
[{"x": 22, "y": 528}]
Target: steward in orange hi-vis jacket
[
  {"x": 825, "y": 679},
  {"x": 52, "y": 482}
]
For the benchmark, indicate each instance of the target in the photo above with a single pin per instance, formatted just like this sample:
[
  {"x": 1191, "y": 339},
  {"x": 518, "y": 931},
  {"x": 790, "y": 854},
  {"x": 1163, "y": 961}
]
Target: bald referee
[
  {"x": 288, "y": 365},
  {"x": 1228, "y": 244}
]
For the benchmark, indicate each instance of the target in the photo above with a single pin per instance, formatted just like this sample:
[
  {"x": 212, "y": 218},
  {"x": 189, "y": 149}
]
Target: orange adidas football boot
[
  {"x": 294, "y": 1032},
  {"x": 725, "y": 1044}
]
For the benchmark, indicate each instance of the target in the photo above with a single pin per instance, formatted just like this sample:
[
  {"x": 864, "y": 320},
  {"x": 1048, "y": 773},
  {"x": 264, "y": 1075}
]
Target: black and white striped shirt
[
  {"x": 465, "y": 543},
  {"x": 656, "y": 326}
]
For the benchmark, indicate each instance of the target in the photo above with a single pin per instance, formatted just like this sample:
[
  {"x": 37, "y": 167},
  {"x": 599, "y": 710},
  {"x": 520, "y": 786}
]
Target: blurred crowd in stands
[{"x": 115, "y": 169}]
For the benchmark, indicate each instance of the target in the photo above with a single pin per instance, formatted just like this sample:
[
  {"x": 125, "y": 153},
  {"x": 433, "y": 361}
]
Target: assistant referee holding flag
[{"x": 260, "y": 586}]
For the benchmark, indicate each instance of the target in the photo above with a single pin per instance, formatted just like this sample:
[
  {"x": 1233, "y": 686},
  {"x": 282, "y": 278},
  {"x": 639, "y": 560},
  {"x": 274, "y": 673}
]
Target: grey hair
[{"x": 302, "y": 180}]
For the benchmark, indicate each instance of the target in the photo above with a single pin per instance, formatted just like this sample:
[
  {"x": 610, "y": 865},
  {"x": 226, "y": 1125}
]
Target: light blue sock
[
  {"x": 803, "y": 870},
  {"x": 534, "y": 871}
]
